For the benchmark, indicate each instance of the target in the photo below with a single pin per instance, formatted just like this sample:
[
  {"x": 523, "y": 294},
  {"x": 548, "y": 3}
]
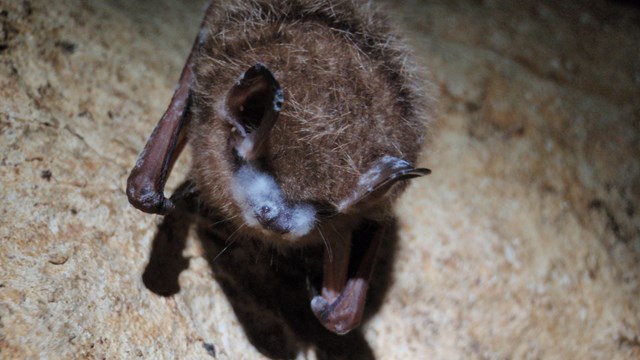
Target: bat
[{"x": 305, "y": 118}]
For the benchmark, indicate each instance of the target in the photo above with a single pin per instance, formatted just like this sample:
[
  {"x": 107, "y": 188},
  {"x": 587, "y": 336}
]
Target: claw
[{"x": 345, "y": 312}]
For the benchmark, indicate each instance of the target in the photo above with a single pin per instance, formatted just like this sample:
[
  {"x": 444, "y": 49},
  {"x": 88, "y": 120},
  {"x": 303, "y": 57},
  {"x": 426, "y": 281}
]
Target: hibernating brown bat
[{"x": 305, "y": 118}]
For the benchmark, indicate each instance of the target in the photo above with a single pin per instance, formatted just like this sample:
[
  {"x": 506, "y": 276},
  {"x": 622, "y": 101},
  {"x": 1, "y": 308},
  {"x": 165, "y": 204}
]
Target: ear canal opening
[
  {"x": 252, "y": 112},
  {"x": 253, "y": 104},
  {"x": 254, "y": 96},
  {"x": 249, "y": 104}
]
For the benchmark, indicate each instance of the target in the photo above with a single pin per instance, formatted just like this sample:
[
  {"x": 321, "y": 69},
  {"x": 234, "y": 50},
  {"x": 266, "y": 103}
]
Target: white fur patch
[
  {"x": 303, "y": 218},
  {"x": 245, "y": 146},
  {"x": 253, "y": 190},
  {"x": 375, "y": 173}
]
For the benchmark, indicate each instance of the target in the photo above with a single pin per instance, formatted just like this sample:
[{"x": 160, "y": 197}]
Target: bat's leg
[
  {"x": 336, "y": 268},
  {"x": 145, "y": 185},
  {"x": 341, "y": 304}
]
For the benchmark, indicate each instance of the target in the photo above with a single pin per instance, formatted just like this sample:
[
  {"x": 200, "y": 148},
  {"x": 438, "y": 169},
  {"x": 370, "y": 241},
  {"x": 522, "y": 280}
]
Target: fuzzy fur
[{"x": 351, "y": 97}]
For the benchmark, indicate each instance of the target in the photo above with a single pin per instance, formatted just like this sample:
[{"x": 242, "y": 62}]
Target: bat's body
[{"x": 302, "y": 116}]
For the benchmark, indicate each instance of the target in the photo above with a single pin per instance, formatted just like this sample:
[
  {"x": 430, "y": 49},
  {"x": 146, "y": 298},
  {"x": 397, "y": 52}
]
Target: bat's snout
[
  {"x": 270, "y": 219},
  {"x": 263, "y": 204}
]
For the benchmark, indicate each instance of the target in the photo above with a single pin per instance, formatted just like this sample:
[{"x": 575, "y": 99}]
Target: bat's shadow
[{"x": 268, "y": 290}]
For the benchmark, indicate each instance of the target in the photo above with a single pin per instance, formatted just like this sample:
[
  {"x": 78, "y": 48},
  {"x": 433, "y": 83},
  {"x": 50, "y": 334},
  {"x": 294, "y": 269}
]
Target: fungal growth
[{"x": 305, "y": 120}]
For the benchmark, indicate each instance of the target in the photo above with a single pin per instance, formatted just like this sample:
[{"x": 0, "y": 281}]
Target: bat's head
[{"x": 278, "y": 194}]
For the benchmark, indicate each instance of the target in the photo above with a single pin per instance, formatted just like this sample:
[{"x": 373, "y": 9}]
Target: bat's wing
[
  {"x": 378, "y": 180},
  {"x": 145, "y": 185},
  {"x": 346, "y": 276}
]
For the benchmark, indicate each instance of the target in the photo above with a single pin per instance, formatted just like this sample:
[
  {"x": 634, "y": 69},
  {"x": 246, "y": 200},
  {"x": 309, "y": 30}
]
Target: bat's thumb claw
[{"x": 148, "y": 200}]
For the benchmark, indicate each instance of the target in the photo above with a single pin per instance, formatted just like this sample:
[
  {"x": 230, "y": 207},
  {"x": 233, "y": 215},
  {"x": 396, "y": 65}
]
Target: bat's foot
[
  {"x": 335, "y": 321},
  {"x": 340, "y": 305},
  {"x": 344, "y": 313}
]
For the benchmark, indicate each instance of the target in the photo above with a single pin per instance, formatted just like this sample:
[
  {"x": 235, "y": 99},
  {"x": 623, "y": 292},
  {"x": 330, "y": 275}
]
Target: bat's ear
[
  {"x": 253, "y": 104},
  {"x": 378, "y": 180}
]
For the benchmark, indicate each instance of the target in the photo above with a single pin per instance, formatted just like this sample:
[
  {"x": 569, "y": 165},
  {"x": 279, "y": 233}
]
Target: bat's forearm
[{"x": 145, "y": 186}]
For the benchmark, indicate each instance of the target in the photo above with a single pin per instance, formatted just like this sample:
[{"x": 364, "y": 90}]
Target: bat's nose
[
  {"x": 271, "y": 219},
  {"x": 265, "y": 215}
]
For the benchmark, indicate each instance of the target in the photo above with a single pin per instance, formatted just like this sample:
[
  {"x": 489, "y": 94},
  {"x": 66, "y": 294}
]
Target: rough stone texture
[{"x": 523, "y": 243}]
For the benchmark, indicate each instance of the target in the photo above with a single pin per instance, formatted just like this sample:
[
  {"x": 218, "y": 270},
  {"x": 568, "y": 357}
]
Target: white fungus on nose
[{"x": 254, "y": 190}]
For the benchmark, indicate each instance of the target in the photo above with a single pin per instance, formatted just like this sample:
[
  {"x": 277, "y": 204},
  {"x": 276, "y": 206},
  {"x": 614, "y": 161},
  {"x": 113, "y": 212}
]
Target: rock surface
[{"x": 523, "y": 243}]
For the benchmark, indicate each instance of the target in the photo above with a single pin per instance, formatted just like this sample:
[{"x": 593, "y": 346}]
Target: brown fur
[{"x": 351, "y": 96}]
